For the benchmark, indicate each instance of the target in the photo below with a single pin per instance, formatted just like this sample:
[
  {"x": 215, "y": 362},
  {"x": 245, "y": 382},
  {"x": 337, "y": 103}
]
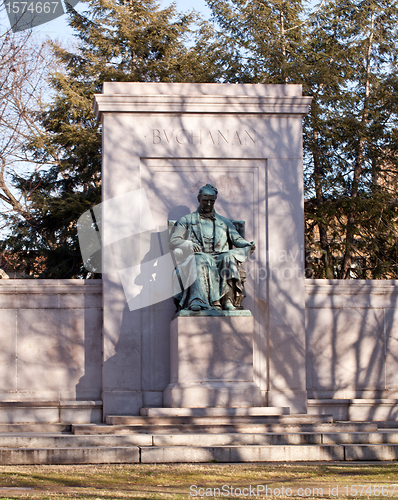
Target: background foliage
[{"x": 344, "y": 53}]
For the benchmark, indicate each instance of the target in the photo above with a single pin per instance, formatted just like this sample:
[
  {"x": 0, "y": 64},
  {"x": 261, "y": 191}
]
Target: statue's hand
[
  {"x": 191, "y": 247},
  {"x": 178, "y": 255},
  {"x": 253, "y": 247}
]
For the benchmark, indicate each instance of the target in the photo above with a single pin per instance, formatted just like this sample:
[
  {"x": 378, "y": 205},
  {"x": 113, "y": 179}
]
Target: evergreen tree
[
  {"x": 118, "y": 41},
  {"x": 344, "y": 54},
  {"x": 351, "y": 141},
  {"x": 266, "y": 36}
]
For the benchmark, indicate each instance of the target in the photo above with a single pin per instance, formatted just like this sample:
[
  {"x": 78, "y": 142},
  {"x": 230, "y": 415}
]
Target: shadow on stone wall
[{"x": 352, "y": 347}]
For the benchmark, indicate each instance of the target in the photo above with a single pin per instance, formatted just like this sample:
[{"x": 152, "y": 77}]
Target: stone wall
[
  {"x": 51, "y": 351},
  {"x": 352, "y": 348}
]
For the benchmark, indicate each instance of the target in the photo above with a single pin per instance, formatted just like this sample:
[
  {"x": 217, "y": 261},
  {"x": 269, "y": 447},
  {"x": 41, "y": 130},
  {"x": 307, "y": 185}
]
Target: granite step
[
  {"x": 44, "y": 440},
  {"x": 388, "y": 424},
  {"x": 220, "y": 420},
  {"x": 380, "y": 437},
  {"x": 197, "y": 454},
  {"x": 70, "y": 456},
  {"x": 214, "y": 412},
  {"x": 35, "y": 427},
  {"x": 375, "y": 452},
  {"x": 49, "y": 440},
  {"x": 288, "y": 453},
  {"x": 101, "y": 444},
  {"x": 89, "y": 429},
  {"x": 298, "y": 438}
]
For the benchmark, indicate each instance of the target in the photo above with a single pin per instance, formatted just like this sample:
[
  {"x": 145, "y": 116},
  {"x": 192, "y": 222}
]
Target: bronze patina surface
[{"x": 218, "y": 251}]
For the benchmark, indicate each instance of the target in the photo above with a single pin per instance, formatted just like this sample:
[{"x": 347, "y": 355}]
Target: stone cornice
[{"x": 200, "y": 104}]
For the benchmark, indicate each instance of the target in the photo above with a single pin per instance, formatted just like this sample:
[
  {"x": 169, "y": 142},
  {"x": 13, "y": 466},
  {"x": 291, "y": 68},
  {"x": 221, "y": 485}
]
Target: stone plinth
[{"x": 211, "y": 358}]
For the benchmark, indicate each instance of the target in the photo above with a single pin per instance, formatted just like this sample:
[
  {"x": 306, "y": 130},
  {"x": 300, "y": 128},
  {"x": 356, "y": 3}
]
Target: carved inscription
[{"x": 206, "y": 137}]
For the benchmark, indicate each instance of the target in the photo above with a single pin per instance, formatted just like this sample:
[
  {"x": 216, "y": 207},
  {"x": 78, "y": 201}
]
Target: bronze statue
[{"x": 218, "y": 249}]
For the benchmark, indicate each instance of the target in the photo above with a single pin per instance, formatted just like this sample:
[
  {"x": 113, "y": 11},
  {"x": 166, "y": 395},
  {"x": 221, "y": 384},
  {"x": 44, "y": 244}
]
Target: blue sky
[{"x": 59, "y": 27}]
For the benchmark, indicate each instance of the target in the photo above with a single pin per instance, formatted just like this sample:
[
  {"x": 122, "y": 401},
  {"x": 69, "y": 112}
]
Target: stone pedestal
[{"x": 211, "y": 356}]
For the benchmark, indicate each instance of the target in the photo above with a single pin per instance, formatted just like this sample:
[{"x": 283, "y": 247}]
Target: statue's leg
[
  {"x": 200, "y": 291},
  {"x": 229, "y": 274},
  {"x": 214, "y": 283}
]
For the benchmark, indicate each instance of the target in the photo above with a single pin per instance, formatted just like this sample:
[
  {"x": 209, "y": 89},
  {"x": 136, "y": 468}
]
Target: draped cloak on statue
[{"x": 215, "y": 264}]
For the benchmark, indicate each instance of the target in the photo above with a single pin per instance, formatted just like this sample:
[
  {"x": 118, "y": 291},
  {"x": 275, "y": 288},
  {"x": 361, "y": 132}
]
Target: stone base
[
  {"x": 368, "y": 410},
  {"x": 212, "y": 394},
  {"x": 215, "y": 412},
  {"x": 50, "y": 412},
  {"x": 212, "y": 362},
  {"x": 121, "y": 402},
  {"x": 295, "y": 400}
]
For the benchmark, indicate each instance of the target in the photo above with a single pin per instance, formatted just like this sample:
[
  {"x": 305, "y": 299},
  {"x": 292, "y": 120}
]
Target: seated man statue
[{"x": 212, "y": 238}]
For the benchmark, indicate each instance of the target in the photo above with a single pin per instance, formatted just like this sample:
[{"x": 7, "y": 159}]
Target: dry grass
[{"x": 112, "y": 482}]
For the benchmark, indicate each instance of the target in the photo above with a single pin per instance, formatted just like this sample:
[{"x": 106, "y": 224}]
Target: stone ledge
[
  {"x": 240, "y": 428},
  {"x": 51, "y": 412},
  {"x": 74, "y": 286},
  {"x": 356, "y": 401},
  {"x": 189, "y": 314},
  {"x": 214, "y": 412},
  {"x": 46, "y": 404},
  {"x": 351, "y": 287},
  {"x": 356, "y": 409},
  {"x": 196, "y": 454},
  {"x": 238, "y": 439},
  {"x": 212, "y": 104}
]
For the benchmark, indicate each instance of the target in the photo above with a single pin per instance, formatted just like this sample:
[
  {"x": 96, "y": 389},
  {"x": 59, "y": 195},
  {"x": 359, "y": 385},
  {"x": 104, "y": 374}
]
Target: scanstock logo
[
  {"x": 25, "y": 15},
  {"x": 135, "y": 249}
]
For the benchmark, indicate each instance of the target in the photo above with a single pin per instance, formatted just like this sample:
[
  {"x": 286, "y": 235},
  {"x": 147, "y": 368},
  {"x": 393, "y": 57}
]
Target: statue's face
[{"x": 206, "y": 201}]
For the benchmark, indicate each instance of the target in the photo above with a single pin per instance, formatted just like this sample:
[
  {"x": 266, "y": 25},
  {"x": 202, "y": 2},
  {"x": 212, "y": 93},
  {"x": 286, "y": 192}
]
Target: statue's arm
[
  {"x": 179, "y": 235},
  {"x": 237, "y": 240}
]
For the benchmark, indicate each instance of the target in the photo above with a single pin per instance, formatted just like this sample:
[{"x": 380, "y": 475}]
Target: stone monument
[
  {"x": 167, "y": 141},
  {"x": 211, "y": 355}
]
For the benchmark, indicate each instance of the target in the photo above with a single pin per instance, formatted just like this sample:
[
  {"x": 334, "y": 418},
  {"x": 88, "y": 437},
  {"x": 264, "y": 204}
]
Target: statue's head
[{"x": 207, "y": 197}]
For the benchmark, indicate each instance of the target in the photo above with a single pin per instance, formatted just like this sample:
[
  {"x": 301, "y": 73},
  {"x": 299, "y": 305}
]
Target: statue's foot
[
  {"x": 195, "y": 306},
  {"x": 216, "y": 305},
  {"x": 228, "y": 306}
]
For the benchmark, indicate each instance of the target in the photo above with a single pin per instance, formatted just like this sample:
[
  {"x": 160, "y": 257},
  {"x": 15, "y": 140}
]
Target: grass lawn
[{"x": 178, "y": 481}]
